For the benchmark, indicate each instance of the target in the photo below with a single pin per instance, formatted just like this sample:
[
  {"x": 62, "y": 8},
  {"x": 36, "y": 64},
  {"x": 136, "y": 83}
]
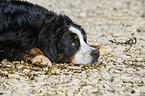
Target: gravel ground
[{"x": 117, "y": 25}]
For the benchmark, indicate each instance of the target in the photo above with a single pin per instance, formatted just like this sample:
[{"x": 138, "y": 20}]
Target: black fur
[{"x": 24, "y": 26}]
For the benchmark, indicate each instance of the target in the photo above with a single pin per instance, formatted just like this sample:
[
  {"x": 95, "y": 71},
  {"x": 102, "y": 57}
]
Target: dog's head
[{"x": 68, "y": 44}]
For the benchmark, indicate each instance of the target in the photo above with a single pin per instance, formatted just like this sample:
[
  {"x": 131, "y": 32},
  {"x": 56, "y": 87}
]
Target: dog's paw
[{"x": 42, "y": 60}]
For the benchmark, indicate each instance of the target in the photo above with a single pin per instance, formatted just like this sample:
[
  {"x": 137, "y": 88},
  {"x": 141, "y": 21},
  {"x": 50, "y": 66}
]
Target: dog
[{"x": 28, "y": 30}]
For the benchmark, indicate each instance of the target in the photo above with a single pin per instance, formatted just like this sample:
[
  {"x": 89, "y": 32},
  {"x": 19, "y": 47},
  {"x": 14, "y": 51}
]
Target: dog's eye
[{"x": 75, "y": 43}]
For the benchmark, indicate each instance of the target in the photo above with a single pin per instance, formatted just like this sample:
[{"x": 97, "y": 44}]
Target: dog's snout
[{"x": 95, "y": 53}]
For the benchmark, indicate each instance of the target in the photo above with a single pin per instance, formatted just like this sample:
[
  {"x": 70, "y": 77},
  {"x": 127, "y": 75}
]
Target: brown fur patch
[
  {"x": 30, "y": 54},
  {"x": 85, "y": 37},
  {"x": 96, "y": 47},
  {"x": 69, "y": 60}
]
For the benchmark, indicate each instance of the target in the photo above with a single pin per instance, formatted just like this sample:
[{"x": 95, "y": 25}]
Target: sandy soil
[{"x": 118, "y": 26}]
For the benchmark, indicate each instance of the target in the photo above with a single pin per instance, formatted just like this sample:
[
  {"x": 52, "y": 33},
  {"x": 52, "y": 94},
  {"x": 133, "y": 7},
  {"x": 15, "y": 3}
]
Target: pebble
[{"x": 141, "y": 28}]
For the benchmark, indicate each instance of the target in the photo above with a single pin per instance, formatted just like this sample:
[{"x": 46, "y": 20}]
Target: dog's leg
[
  {"x": 13, "y": 52},
  {"x": 35, "y": 55}
]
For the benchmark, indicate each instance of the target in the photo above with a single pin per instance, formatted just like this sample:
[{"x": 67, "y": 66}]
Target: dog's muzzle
[{"x": 95, "y": 55}]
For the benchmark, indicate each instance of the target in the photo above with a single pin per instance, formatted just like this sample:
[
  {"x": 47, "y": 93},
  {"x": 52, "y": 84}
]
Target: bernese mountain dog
[{"x": 28, "y": 30}]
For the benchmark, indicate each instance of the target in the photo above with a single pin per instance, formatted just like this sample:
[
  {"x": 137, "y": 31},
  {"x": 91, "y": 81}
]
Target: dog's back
[{"x": 18, "y": 21}]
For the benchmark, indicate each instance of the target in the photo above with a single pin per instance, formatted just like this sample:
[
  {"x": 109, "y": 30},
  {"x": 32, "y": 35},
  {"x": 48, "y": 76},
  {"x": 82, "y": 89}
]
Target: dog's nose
[{"x": 95, "y": 54}]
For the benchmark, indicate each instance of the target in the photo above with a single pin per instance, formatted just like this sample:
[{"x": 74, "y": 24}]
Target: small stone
[
  {"x": 70, "y": 92},
  {"x": 83, "y": 15},
  {"x": 55, "y": 70},
  {"x": 20, "y": 66},
  {"x": 87, "y": 87},
  {"x": 141, "y": 28}
]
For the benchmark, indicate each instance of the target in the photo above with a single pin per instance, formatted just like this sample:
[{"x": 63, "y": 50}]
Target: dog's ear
[{"x": 50, "y": 50}]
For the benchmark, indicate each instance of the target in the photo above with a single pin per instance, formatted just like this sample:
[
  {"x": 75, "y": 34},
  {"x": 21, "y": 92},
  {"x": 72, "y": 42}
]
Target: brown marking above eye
[{"x": 76, "y": 37}]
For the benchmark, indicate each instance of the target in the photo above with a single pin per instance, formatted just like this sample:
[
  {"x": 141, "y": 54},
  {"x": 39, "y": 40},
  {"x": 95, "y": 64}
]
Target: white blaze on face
[{"x": 83, "y": 56}]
